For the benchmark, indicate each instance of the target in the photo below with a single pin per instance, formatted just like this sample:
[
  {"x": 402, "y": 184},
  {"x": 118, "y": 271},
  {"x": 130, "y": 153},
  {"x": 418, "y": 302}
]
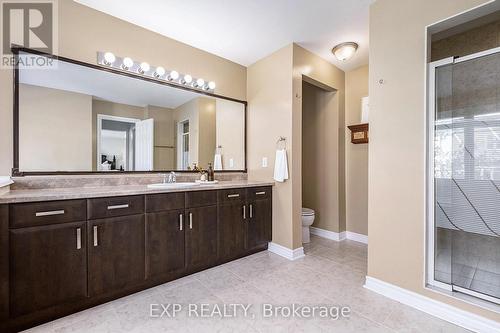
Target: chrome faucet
[{"x": 172, "y": 177}]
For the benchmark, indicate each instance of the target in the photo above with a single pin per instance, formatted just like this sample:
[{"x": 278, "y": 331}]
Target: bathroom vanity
[{"x": 62, "y": 256}]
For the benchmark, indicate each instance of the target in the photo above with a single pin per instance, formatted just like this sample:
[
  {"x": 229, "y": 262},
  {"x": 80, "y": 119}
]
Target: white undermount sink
[{"x": 172, "y": 185}]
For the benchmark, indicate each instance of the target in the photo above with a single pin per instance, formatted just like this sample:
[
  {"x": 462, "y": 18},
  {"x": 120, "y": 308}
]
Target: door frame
[{"x": 100, "y": 118}]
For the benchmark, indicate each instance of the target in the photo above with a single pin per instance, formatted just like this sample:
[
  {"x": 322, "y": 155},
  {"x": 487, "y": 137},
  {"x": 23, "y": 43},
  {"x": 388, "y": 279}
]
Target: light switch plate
[
  {"x": 264, "y": 162},
  {"x": 231, "y": 163}
]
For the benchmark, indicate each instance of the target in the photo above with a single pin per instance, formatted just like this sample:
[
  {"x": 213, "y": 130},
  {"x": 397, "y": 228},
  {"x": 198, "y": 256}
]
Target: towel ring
[{"x": 281, "y": 139}]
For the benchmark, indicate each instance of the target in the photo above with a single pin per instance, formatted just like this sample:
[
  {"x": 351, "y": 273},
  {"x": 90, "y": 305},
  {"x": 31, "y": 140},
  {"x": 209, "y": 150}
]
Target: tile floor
[{"x": 331, "y": 273}]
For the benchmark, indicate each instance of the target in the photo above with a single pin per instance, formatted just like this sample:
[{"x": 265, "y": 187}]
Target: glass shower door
[{"x": 467, "y": 176}]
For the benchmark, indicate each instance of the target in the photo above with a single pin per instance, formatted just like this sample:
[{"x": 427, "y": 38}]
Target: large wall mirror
[{"x": 77, "y": 117}]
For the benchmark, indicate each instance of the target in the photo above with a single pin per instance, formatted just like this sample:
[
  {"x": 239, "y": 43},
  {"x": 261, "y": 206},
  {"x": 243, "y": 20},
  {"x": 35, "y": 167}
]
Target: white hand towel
[
  {"x": 281, "y": 166},
  {"x": 218, "y": 162},
  {"x": 5, "y": 181}
]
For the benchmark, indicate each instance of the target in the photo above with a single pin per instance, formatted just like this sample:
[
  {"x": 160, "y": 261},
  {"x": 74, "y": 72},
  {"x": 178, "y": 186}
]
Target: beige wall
[
  {"x": 356, "y": 87},
  {"x": 84, "y": 31},
  {"x": 55, "y": 130},
  {"x": 207, "y": 135},
  {"x": 396, "y": 205},
  {"x": 231, "y": 137},
  {"x": 269, "y": 95},
  {"x": 274, "y": 94}
]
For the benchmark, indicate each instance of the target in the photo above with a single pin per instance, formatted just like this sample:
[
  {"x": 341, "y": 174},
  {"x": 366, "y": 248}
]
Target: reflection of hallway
[{"x": 468, "y": 260}]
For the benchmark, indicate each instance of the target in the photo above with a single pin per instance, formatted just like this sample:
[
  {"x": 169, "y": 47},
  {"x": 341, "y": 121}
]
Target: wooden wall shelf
[{"x": 359, "y": 133}]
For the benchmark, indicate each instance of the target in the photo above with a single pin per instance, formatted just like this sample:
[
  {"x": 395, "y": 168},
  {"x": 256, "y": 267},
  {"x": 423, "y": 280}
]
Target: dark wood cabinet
[
  {"x": 232, "y": 225},
  {"x": 116, "y": 253},
  {"x": 48, "y": 266},
  {"x": 259, "y": 223},
  {"x": 59, "y": 257},
  {"x": 201, "y": 237},
  {"x": 165, "y": 244}
]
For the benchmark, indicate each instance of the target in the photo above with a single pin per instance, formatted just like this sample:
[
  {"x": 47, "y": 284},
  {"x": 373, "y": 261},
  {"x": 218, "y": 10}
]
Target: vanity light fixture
[
  {"x": 159, "y": 72},
  {"x": 109, "y": 58},
  {"x": 127, "y": 63},
  {"x": 187, "y": 79},
  {"x": 173, "y": 76},
  {"x": 199, "y": 83},
  {"x": 345, "y": 51},
  {"x": 144, "y": 67},
  {"x": 156, "y": 72}
]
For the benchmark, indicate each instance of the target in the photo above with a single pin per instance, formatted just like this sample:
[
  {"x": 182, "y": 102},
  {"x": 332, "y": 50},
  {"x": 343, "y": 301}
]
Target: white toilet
[{"x": 307, "y": 221}]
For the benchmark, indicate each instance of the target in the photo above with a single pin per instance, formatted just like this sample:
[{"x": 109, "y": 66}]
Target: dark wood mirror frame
[{"x": 15, "y": 169}]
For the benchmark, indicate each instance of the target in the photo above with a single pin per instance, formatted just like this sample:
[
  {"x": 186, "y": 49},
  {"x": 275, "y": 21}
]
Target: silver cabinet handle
[
  {"x": 251, "y": 211},
  {"x": 118, "y": 207},
  {"x": 180, "y": 222},
  {"x": 50, "y": 213},
  {"x": 233, "y": 195},
  {"x": 260, "y": 193},
  {"x": 95, "y": 235},
  {"x": 78, "y": 238},
  {"x": 244, "y": 212},
  {"x": 190, "y": 220}
]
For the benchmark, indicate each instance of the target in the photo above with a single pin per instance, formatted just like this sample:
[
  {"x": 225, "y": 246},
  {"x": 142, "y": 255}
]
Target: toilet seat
[{"x": 307, "y": 212}]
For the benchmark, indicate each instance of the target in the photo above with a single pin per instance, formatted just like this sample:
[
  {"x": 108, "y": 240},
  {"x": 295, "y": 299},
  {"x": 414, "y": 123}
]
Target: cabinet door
[
  {"x": 259, "y": 224},
  {"x": 164, "y": 242},
  {"x": 201, "y": 237},
  {"x": 48, "y": 266},
  {"x": 232, "y": 219},
  {"x": 116, "y": 253}
]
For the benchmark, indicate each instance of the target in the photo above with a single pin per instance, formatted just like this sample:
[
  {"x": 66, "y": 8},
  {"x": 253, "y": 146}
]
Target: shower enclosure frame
[{"x": 430, "y": 183}]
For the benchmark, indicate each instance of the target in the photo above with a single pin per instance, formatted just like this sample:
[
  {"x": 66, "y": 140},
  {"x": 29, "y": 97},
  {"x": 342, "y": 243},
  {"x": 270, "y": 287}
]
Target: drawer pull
[
  {"x": 95, "y": 236},
  {"x": 50, "y": 213},
  {"x": 233, "y": 195},
  {"x": 251, "y": 211},
  {"x": 244, "y": 212},
  {"x": 260, "y": 193},
  {"x": 180, "y": 222},
  {"x": 190, "y": 220},
  {"x": 118, "y": 207},
  {"x": 78, "y": 238}
]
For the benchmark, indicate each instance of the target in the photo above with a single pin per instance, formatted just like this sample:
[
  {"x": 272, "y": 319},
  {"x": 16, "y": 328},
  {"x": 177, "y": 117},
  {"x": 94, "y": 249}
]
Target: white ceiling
[
  {"x": 106, "y": 86},
  {"x": 245, "y": 31}
]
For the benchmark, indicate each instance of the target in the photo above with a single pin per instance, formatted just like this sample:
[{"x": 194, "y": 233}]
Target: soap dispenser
[{"x": 211, "y": 175}]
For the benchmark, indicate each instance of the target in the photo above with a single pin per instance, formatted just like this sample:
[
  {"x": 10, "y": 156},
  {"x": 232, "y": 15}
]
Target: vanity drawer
[
  {"x": 115, "y": 206},
  {"x": 50, "y": 212},
  {"x": 237, "y": 194},
  {"x": 164, "y": 201},
  {"x": 259, "y": 193},
  {"x": 201, "y": 198}
]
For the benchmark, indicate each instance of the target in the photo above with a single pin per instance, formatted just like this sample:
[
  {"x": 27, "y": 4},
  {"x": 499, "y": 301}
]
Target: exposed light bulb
[
  {"x": 199, "y": 83},
  {"x": 159, "y": 72},
  {"x": 173, "y": 76},
  {"x": 144, "y": 67},
  {"x": 345, "y": 51},
  {"x": 187, "y": 79},
  {"x": 109, "y": 58},
  {"x": 127, "y": 63},
  {"x": 211, "y": 85}
]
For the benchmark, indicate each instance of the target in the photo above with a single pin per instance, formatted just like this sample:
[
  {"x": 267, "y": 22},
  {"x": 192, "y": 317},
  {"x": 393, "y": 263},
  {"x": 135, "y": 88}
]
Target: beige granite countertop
[{"x": 50, "y": 194}]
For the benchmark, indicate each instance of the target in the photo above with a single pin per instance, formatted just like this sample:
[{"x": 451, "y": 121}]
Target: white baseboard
[
  {"x": 357, "y": 237},
  {"x": 339, "y": 236},
  {"x": 336, "y": 236},
  {"x": 285, "y": 252},
  {"x": 437, "y": 309}
]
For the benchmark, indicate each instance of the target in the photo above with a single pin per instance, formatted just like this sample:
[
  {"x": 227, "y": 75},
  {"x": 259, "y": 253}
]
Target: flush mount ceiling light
[
  {"x": 345, "y": 51},
  {"x": 159, "y": 73}
]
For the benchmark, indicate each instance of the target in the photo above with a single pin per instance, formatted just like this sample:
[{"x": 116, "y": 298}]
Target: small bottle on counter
[{"x": 211, "y": 175}]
